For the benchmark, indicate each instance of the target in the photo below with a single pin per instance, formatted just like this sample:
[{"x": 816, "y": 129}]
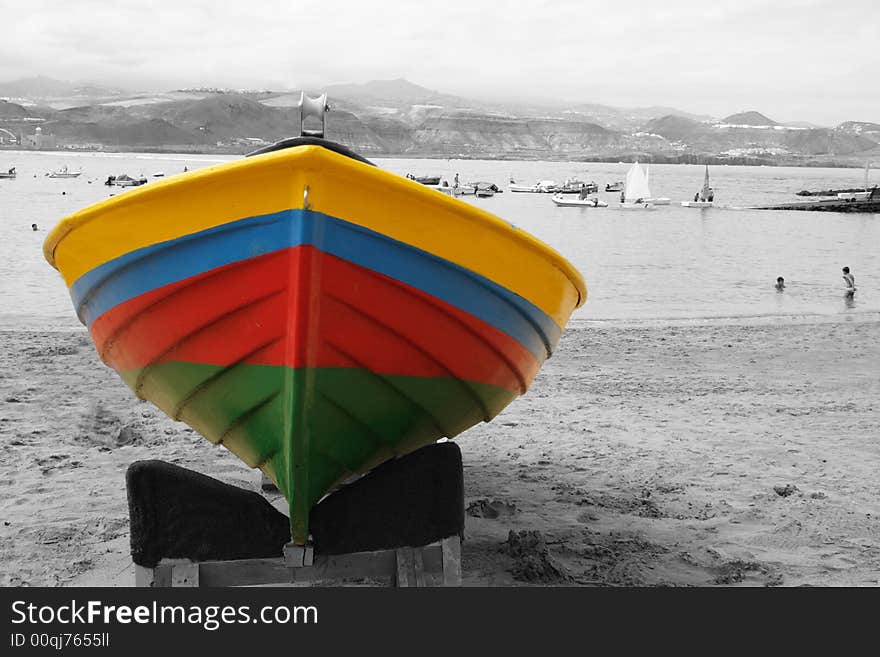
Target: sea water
[{"x": 670, "y": 264}]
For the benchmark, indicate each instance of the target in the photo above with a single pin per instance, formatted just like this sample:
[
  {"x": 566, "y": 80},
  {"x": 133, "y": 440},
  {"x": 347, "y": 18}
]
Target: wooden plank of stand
[
  {"x": 404, "y": 567},
  {"x": 144, "y": 576},
  {"x": 185, "y": 574},
  {"x": 410, "y": 567},
  {"x": 438, "y": 563},
  {"x": 419, "y": 568},
  {"x": 245, "y": 572},
  {"x": 451, "y": 567}
]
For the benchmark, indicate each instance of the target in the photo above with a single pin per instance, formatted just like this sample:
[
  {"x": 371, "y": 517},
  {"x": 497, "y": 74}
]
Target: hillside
[
  {"x": 862, "y": 129},
  {"x": 672, "y": 128},
  {"x": 751, "y": 118},
  {"x": 13, "y": 111},
  {"x": 399, "y": 118}
]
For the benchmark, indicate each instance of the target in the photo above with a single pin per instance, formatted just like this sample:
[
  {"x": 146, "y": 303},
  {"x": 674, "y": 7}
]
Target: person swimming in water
[{"x": 780, "y": 284}]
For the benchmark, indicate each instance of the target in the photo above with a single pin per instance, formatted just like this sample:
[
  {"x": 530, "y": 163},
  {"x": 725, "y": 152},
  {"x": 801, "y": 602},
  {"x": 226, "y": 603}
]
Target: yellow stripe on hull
[{"x": 338, "y": 186}]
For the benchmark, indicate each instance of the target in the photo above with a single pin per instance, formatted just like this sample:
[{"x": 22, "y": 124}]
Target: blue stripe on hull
[{"x": 143, "y": 270}]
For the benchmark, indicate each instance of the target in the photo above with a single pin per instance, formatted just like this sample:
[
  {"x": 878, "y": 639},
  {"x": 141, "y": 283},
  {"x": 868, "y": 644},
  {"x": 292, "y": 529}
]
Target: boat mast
[{"x": 704, "y": 193}]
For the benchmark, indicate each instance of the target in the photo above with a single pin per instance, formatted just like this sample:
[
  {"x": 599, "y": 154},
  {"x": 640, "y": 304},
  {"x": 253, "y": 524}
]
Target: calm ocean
[{"x": 670, "y": 264}]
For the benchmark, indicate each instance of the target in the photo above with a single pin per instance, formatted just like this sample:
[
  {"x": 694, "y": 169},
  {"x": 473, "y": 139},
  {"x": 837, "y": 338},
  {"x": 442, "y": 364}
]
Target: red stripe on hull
[{"x": 240, "y": 313}]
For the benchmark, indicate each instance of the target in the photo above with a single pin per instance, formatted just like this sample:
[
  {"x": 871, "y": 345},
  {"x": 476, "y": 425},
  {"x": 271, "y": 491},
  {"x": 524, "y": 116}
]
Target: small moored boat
[
  {"x": 124, "y": 180},
  {"x": 485, "y": 189},
  {"x": 64, "y": 172},
  {"x": 575, "y": 202},
  {"x": 425, "y": 180},
  {"x": 540, "y": 187},
  {"x": 576, "y": 186},
  {"x": 8, "y": 174},
  {"x": 310, "y": 312},
  {"x": 615, "y": 186},
  {"x": 464, "y": 190}
]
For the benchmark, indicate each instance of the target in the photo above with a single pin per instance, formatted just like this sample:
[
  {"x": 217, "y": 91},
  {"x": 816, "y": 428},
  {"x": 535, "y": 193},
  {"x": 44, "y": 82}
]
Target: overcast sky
[{"x": 807, "y": 60}]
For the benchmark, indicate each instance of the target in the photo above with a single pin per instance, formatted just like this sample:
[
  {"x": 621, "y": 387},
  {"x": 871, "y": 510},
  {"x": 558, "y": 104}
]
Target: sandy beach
[{"x": 703, "y": 454}]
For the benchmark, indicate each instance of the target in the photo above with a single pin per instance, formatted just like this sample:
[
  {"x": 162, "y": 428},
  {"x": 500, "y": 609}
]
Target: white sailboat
[
  {"x": 859, "y": 196},
  {"x": 706, "y": 196},
  {"x": 636, "y": 191},
  {"x": 655, "y": 200}
]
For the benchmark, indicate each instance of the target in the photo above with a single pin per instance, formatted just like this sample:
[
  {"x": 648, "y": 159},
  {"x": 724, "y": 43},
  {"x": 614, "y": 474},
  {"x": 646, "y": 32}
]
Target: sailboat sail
[
  {"x": 636, "y": 184},
  {"x": 867, "y": 167},
  {"x": 704, "y": 193}
]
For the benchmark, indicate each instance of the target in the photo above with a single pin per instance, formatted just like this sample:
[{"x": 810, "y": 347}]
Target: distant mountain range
[{"x": 398, "y": 118}]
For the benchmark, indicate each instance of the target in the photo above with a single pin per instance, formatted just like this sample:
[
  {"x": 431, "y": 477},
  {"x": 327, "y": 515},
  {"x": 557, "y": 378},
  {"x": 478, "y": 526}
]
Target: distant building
[{"x": 39, "y": 141}]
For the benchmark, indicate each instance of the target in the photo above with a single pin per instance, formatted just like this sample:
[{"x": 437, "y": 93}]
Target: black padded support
[
  {"x": 178, "y": 513},
  {"x": 414, "y": 500},
  {"x": 292, "y": 142},
  {"x": 410, "y": 501}
]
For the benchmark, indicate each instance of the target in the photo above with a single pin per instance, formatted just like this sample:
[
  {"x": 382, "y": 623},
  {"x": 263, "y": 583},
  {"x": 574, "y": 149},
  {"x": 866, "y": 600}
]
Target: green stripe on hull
[{"x": 355, "y": 419}]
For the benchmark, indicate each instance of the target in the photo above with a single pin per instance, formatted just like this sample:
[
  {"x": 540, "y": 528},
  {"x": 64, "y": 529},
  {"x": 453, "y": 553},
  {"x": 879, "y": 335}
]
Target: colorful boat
[{"x": 312, "y": 313}]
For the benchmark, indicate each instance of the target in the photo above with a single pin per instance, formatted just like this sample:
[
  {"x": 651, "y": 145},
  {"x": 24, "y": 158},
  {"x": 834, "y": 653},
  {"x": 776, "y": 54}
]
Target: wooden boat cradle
[
  {"x": 428, "y": 491},
  {"x": 436, "y": 564}
]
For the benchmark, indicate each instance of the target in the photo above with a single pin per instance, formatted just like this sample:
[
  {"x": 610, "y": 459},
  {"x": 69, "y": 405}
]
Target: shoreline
[
  {"x": 856, "y": 162},
  {"x": 709, "y": 454},
  {"x": 18, "y": 324}
]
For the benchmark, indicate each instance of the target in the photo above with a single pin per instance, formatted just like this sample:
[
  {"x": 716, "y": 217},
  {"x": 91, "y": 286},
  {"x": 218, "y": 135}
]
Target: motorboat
[
  {"x": 568, "y": 201},
  {"x": 455, "y": 190},
  {"x": 576, "y": 186},
  {"x": 615, "y": 186},
  {"x": 310, "y": 312},
  {"x": 485, "y": 189},
  {"x": 425, "y": 180},
  {"x": 8, "y": 174},
  {"x": 540, "y": 187},
  {"x": 64, "y": 172},
  {"x": 124, "y": 180}
]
